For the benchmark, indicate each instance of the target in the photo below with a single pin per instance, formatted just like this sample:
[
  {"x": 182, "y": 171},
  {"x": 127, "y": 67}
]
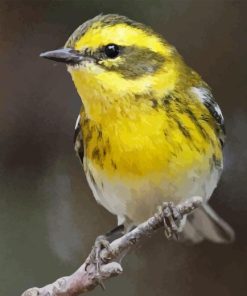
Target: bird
[{"x": 149, "y": 130}]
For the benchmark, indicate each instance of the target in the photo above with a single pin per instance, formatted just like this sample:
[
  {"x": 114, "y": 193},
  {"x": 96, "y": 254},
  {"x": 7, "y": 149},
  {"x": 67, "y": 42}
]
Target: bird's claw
[
  {"x": 94, "y": 258},
  {"x": 171, "y": 218}
]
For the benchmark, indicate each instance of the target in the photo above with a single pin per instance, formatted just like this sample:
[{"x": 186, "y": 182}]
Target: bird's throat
[{"x": 100, "y": 102}]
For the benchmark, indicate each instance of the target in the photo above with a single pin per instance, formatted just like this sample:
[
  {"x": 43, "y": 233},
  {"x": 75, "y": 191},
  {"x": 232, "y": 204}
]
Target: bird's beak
[{"x": 65, "y": 55}]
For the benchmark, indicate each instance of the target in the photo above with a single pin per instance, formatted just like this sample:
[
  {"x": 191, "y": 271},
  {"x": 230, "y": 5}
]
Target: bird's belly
[{"x": 136, "y": 199}]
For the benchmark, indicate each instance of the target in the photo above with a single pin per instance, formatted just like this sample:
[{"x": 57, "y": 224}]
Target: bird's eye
[{"x": 112, "y": 51}]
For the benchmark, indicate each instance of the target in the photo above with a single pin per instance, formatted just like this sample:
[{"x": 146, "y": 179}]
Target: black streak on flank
[
  {"x": 196, "y": 123},
  {"x": 154, "y": 103},
  {"x": 99, "y": 134},
  {"x": 88, "y": 131},
  {"x": 167, "y": 103},
  {"x": 205, "y": 117},
  {"x": 167, "y": 100},
  {"x": 96, "y": 154},
  {"x": 183, "y": 129},
  {"x": 108, "y": 146},
  {"x": 92, "y": 178},
  {"x": 113, "y": 164},
  {"x": 88, "y": 137}
]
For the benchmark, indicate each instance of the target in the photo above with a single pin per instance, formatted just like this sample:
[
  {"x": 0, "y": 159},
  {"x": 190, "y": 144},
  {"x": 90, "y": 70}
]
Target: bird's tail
[{"x": 204, "y": 223}]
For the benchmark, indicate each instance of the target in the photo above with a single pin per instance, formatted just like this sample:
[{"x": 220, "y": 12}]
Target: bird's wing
[
  {"x": 205, "y": 96},
  {"x": 78, "y": 140}
]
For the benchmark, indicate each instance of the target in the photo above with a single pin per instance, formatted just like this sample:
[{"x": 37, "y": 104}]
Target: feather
[{"x": 204, "y": 223}]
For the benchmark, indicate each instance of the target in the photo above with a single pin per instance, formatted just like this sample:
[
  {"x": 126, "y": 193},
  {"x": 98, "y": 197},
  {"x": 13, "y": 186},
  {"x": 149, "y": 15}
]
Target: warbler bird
[{"x": 149, "y": 129}]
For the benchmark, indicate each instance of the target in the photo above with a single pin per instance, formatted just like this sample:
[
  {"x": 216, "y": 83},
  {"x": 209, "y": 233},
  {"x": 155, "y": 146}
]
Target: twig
[{"x": 85, "y": 279}]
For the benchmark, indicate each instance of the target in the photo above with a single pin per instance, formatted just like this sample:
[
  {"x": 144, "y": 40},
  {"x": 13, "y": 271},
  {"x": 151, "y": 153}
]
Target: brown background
[{"x": 48, "y": 218}]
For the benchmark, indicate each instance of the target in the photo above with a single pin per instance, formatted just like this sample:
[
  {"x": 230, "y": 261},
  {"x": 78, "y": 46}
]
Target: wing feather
[
  {"x": 78, "y": 140},
  {"x": 205, "y": 96}
]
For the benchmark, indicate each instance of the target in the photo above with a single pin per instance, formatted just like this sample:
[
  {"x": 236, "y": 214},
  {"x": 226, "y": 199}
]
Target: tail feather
[{"x": 204, "y": 223}]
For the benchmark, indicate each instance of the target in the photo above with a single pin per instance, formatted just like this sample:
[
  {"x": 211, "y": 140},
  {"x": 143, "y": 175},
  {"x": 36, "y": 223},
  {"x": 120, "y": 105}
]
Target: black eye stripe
[
  {"x": 136, "y": 61},
  {"x": 111, "y": 51}
]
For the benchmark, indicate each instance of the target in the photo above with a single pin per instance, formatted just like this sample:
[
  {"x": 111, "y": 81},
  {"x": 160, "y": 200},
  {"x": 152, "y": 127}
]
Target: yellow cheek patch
[{"x": 96, "y": 85}]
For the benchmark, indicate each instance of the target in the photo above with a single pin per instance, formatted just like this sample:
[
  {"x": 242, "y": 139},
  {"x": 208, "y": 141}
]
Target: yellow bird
[{"x": 149, "y": 129}]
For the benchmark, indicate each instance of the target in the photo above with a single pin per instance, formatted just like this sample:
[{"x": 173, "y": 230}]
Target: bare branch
[{"x": 85, "y": 279}]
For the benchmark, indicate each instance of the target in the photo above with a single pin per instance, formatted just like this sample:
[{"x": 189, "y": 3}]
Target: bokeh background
[{"x": 48, "y": 217}]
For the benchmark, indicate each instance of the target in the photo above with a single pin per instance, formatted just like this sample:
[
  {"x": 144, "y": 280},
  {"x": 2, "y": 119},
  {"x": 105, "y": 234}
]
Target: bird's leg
[
  {"x": 172, "y": 219},
  {"x": 115, "y": 233},
  {"x": 94, "y": 259},
  {"x": 102, "y": 242}
]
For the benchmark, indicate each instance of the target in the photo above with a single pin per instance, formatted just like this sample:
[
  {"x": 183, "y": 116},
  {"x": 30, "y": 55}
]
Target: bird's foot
[
  {"x": 172, "y": 219},
  {"x": 94, "y": 258}
]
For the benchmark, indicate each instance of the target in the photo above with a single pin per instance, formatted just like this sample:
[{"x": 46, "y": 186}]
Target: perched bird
[{"x": 149, "y": 129}]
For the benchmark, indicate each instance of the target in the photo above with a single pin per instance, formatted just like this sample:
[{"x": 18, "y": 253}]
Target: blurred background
[{"x": 48, "y": 217}]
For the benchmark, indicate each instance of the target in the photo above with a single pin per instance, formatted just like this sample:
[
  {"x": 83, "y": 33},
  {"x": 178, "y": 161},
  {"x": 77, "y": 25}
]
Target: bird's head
[{"x": 111, "y": 56}]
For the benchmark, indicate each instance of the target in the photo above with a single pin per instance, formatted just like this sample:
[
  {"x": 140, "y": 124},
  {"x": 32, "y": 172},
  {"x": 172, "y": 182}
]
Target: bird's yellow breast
[{"x": 151, "y": 140}]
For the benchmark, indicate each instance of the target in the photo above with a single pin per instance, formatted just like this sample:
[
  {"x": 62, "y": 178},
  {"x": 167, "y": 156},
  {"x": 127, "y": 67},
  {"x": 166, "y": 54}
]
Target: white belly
[{"x": 135, "y": 201}]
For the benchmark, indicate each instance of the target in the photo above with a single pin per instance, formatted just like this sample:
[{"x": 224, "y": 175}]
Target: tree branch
[{"x": 85, "y": 279}]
